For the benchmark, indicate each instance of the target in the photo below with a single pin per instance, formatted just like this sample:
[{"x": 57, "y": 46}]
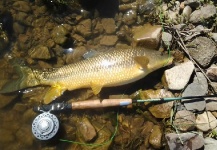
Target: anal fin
[
  {"x": 96, "y": 88},
  {"x": 53, "y": 93}
]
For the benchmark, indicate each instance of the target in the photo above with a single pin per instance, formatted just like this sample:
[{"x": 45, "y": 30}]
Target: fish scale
[{"x": 112, "y": 68}]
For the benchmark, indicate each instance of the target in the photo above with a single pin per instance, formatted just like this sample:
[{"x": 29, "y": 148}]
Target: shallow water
[{"x": 33, "y": 25}]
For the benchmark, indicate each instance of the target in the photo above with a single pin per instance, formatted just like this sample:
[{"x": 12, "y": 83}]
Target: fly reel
[{"x": 45, "y": 126}]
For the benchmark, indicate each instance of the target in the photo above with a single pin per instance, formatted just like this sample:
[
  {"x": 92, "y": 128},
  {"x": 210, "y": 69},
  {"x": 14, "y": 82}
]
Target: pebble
[
  {"x": 187, "y": 12},
  {"x": 175, "y": 79},
  {"x": 204, "y": 12},
  {"x": 129, "y": 17},
  {"x": 205, "y": 121},
  {"x": 185, "y": 120},
  {"x": 109, "y": 25},
  {"x": 212, "y": 72},
  {"x": 167, "y": 38},
  {"x": 155, "y": 137},
  {"x": 108, "y": 40},
  {"x": 211, "y": 104},
  {"x": 59, "y": 33},
  {"x": 18, "y": 28},
  {"x": 191, "y": 141},
  {"x": 199, "y": 87},
  {"x": 210, "y": 143},
  {"x": 204, "y": 52},
  {"x": 147, "y": 36}
]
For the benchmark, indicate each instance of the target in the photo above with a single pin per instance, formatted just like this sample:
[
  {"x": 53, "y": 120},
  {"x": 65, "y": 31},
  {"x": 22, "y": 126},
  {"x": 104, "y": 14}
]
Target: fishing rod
[{"x": 46, "y": 125}]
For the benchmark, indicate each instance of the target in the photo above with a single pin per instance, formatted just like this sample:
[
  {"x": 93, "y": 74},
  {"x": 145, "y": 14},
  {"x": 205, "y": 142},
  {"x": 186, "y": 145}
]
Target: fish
[{"x": 110, "y": 69}]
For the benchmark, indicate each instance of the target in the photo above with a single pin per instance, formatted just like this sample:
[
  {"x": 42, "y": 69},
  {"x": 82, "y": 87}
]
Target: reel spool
[{"x": 45, "y": 126}]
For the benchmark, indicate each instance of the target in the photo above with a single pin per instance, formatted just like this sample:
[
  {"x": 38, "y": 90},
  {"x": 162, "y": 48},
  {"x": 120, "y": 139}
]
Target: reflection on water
[{"x": 40, "y": 32}]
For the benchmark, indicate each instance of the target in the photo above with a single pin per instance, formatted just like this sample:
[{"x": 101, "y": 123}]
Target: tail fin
[{"x": 26, "y": 79}]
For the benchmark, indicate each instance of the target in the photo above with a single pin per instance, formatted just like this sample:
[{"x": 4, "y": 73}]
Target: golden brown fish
[{"x": 113, "y": 68}]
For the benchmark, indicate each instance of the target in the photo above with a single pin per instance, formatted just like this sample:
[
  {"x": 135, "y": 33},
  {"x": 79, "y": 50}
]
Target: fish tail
[{"x": 26, "y": 79}]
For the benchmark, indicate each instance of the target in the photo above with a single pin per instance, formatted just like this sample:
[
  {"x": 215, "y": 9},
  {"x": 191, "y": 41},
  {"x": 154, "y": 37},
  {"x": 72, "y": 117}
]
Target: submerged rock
[
  {"x": 191, "y": 141},
  {"x": 147, "y": 35},
  {"x": 86, "y": 129},
  {"x": 109, "y": 40},
  {"x": 204, "y": 51},
  {"x": 206, "y": 121},
  {"x": 22, "y": 6},
  {"x": 40, "y": 52},
  {"x": 184, "y": 120},
  {"x": 84, "y": 28},
  {"x": 177, "y": 77},
  {"x": 155, "y": 137},
  {"x": 6, "y": 99},
  {"x": 108, "y": 25}
]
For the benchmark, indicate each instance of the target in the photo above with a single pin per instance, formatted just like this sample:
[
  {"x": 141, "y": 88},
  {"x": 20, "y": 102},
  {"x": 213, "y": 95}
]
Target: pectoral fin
[
  {"x": 53, "y": 93},
  {"x": 142, "y": 62},
  {"x": 96, "y": 88}
]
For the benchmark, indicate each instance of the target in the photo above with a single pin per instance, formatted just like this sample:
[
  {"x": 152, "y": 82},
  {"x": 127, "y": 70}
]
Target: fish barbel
[{"x": 112, "y": 68}]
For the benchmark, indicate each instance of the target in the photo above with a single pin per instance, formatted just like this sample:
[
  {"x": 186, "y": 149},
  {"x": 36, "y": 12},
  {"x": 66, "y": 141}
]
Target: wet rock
[
  {"x": 206, "y": 121},
  {"x": 40, "y": 52},
  {"x": 147, "y": 35},
  {"x": 147, "y": 128},
  {"x": 158, "y": 110},
  {"x": 84, "y": 28},
  {"x": 204, "y": 51},
  {"x": 167, "y": 38},
  {"x": 129, "y": 17},
  {"x": 22, "y": 6},
  {"x": 109, "y": 40},
  {"x": 211, "y": 104},
  {"x": 210, "y": 143},
  {"x": 103, "y": 135},
  {"x": 205, "y": 12},
  {"x": 187, "y": 12},
  {"x": 212, "y": 72},
  {"x": 199, "y": 87},
  {"x": 155, "y": 137},
  {"x": 59, "y": 34},
  {"x": 6, "y": 99},
  {"x": 184, "y": 120},
  {"x": 175, "y": 79},
  {"x": 108, "y": 25},
  {"x": 25, "y": 131},
  {"x": 86, "y": 129},
  {"x": 190, "y": 141}
]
